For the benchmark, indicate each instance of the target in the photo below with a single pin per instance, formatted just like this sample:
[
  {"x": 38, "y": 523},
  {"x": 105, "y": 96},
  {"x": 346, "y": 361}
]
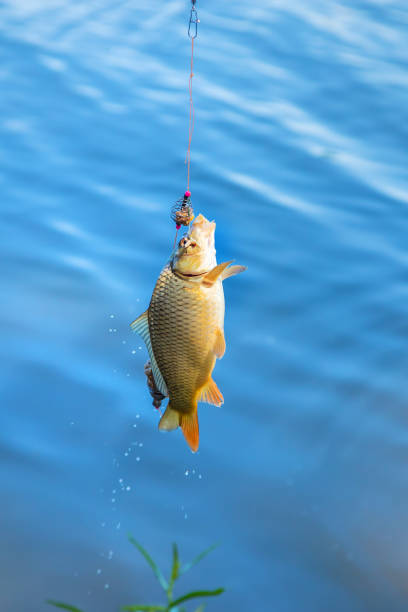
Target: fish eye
[{"x": 193, "y": 244}]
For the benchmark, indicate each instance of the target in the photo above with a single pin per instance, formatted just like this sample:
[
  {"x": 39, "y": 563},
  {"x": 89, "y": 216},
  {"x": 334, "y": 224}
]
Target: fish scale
[{"x": 183, "y": 320}]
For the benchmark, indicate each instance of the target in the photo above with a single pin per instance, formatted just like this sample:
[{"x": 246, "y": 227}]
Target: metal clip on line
[{"x": 194, "y": 21}]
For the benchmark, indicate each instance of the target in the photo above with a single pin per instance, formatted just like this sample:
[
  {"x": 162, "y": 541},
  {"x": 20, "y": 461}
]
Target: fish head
[{"x": 195, "y": 253}]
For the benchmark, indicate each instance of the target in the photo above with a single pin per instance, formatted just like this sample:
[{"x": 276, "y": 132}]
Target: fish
[{"x": 183, "y": 328}]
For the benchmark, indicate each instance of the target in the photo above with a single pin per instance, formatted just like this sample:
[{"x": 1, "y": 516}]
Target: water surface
[{"x": 300, "y": 154}]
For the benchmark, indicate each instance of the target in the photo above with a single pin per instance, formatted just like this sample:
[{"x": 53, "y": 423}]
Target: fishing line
[
  {"x": 192, "y": 33},
  {"x": 191, "y": 116},
  {"x": 182, "y": 211}
]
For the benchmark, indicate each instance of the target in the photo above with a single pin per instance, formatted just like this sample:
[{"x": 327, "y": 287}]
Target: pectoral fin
[
  {"x": 211, "y": 394},
  {"x": 232, "y": 271},
  {"x": 219, "y": 346},
  {"x": 141, "y": 327},
  {"x": 214, "y": 274}
]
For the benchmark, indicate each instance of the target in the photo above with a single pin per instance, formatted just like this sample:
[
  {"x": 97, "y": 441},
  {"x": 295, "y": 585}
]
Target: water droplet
[
  {"x": 186, "y": 473},
  {"x": 186, "y": 515},
  {"x": 118, "y": 526},
  {"x": 137, "y": 458},
  {"x": 138, "y": 416},
  {"x": 126, "y": 454},
  {"x": 140, "y": 444},
  {"x": 99, "y": 571},
  {"x": 103, "y": 524},
  {"x": 114, "y": 491},
  {"x": 128, "y": 488},
  {"x": 121, "y": 480},
  {"x": 134, "y": 425},
  {"x": 199, "y": 476},
  {"x": 110, "y": 330},
  {"x": 123, "y": 341},
  {"x": 113, "y": 500},
  {"x": 133, "y": 352},
  {"x": 110, "y": 554},
  {"x": 106, "y": 586},
  {"x": 112, "y": 316}
]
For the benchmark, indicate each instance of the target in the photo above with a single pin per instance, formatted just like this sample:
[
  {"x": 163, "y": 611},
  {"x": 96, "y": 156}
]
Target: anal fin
[{"x": 211, "y": 394}]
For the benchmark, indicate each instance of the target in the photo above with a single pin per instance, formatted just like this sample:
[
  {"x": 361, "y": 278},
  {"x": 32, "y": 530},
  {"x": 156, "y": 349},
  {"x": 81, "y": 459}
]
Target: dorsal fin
[
  {"x": 141, "y": 327},
  {"x": 214, "y": 274}
]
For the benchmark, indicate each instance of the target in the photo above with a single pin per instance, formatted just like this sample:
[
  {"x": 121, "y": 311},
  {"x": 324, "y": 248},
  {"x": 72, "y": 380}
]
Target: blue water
[{"x": 300, "y": 154}]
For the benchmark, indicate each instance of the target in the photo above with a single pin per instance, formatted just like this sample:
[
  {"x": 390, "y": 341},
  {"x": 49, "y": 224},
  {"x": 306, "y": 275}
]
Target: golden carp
[{"x": 183, "y": 328}]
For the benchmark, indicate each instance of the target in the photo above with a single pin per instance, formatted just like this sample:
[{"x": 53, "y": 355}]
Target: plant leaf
[
  {"x": 195, "y": 594},
  {"x": 196, "y": 559},
  {"x": 176, "y": 564},
  {"x": 174, "y": 572},
  {"x": 63, "y": 606},
  {"x": 144, "y": 608},
  {"x": 156, "y": 570}
]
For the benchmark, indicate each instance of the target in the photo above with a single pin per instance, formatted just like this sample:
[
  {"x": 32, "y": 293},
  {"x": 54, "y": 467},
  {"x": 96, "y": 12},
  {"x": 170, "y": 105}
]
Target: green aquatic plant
[{"x": 177, "y": 570}]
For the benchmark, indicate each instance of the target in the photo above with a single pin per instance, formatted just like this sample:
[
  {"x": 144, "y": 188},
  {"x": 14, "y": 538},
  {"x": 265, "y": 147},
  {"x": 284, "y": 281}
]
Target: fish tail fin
[
  {"x": 170, "y": 419},
  {"x": 189, "y": 426}
]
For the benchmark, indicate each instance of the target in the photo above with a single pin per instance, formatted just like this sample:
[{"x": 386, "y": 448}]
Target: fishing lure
[{"x": 182, "y": 212}]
